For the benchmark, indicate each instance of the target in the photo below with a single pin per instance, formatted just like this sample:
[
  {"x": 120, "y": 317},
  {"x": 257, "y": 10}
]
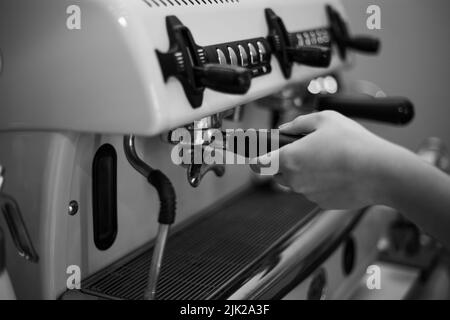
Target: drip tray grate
[{"x": 207, "y": 253}]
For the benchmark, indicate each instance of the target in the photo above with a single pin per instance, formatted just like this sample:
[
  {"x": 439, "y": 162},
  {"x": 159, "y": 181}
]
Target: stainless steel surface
[
  {"x": 262, "y": 51},
  {"x": 253, "y": 54},
  {"x": 295, "y": 259},
  {"x": 219, "y": 246},
  {"x": 196, "y": 172},
  {"x": 202, "y": 133},
  {"x": 243, "y": 55},
  {"x": 221, "y": 57},
  {"x": 155, "y": 267},
  {"x": 136, "y": 162},
  {"x": 233, "y": 56}
]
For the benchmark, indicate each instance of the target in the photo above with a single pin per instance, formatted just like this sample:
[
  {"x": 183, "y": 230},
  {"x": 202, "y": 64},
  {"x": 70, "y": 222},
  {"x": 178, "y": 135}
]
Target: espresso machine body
[{"x": 69, "y": 95}]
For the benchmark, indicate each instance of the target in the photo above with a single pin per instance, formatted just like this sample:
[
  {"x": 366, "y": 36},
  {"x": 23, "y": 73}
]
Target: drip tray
[{"x": 207, "y": 253}]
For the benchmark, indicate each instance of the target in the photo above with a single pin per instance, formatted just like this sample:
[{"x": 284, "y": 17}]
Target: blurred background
[{"x": 412, "y": 63}]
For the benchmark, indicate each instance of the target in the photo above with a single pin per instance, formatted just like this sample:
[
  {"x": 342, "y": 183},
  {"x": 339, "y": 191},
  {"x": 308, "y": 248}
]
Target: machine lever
[
  {"x": 344, "y": 40},
  {"x": 312, "y": 56},
  {"x": 187, "y": 62},
  {"x": 398, "y": 111},
  {"x": 287, "y": 49},
  {"x": 224, "y": 78}
]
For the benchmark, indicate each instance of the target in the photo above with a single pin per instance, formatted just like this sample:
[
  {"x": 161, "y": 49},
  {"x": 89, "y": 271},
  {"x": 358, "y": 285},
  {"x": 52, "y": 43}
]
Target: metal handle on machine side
[
  {"x": 17, "y": 228},
  {"x": 2, "y": 252},
  {"x": 16, "y": 224}
]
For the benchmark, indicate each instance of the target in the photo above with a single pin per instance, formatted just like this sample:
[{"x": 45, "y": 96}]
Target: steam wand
[{"x": 166, "y": 218}]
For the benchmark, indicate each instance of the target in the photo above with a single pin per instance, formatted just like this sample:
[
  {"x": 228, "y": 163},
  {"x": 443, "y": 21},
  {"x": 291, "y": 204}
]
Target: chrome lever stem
[{"x": 155, "y": 267}]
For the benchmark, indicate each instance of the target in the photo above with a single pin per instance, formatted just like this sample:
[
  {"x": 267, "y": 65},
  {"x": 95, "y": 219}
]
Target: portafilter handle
[{"x": 392, "y": 110}]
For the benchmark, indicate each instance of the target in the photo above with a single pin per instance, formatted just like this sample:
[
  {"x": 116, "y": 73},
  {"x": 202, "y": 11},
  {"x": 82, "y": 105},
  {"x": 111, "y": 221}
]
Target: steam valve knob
[
  {"x": 224, "y": 78},
  {"x": 344, "y": 40},
  {"x": 312, "y": 56},
  {"x": 364, "y": 44}
]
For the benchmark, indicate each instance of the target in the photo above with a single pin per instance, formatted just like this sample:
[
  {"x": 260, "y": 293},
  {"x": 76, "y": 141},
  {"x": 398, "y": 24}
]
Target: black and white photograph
[{"x": 233, "y": 157}]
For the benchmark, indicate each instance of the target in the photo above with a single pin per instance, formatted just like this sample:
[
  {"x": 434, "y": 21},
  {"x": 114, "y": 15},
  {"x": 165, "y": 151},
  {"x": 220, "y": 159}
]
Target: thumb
[
  {"x": 266, "y": 161},
  {"x": 302, "y": 125}
]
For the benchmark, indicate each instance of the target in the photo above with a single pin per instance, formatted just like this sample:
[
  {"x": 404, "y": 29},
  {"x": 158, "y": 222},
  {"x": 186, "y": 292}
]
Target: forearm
[{"x": 419, "y": 191}]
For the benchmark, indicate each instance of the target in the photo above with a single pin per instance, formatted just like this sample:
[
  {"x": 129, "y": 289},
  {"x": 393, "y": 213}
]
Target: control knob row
[{"x": 252, "y": 56}]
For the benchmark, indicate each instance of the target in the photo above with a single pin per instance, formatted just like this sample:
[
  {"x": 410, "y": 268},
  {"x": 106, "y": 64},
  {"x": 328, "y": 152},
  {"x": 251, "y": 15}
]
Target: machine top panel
[{"x": 95, "y": 67}]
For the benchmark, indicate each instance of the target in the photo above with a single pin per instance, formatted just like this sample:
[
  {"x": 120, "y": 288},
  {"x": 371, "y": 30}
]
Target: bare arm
[
  {"x": 420, "y": 191},
  {"x": 341, "y": 165}
]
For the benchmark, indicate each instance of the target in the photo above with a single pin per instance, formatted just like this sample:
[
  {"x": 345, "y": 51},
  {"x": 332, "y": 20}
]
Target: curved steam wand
[{"x": 166, "y": 218}]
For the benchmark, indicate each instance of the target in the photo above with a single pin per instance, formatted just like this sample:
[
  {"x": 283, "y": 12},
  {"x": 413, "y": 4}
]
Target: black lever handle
[
  {"x": 364, "y": 44},
  {"x": 399, "y": 111},
  {"x": 344, "y": 40},
  {"x": 252, "y": 147},
  {"x": 224, "y": 78},
  {"x": 312, "y": 56}
]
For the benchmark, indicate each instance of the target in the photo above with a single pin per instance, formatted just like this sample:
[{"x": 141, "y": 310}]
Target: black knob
[
  {"x": 224, "y": 78},
  {"x": 399, "y": 111},
  {"x": 364, "y": 44},
  {"x": 311, "y": 56},
  {"x": 344, "y": 40},
  {"x": 2, "y": 252}
]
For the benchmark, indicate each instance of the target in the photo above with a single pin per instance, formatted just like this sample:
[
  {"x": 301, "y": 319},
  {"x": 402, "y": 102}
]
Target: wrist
[{"x": 389, "y": 171}]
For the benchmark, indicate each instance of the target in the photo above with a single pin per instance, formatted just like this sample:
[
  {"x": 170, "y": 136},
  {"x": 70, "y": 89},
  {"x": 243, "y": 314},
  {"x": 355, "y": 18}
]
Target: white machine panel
[{"x": 106, "y": 77}]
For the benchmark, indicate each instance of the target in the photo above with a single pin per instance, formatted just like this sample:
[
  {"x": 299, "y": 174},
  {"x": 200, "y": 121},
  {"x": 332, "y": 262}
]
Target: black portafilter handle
[
  {"x": 313, "y": 56},
  {"x": 365, "y": 44},
  {"x": 392, "y": 110},
  {"x": 252, "y": 148},
  {"x": 224, "y": 78}
]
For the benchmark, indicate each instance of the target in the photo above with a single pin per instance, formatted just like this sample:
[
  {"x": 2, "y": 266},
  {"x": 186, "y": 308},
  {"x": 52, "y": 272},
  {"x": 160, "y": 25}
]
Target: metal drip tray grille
[{"x": 206, "y": 254}]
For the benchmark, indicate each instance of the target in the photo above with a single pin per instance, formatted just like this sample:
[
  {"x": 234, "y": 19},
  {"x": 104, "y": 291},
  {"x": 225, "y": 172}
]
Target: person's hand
[{"x": 338, "y": 165}]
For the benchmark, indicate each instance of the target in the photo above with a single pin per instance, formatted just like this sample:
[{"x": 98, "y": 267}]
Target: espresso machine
[{"x": 87, "y": 126}]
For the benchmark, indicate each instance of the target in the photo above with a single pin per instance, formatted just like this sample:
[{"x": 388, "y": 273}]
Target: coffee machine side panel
[
  {"x": 94, "y": 68},
  {"x": 38, "y": 173},
  {"x": 70, "y": 67},
  {"x": 50, "y": 176}
]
